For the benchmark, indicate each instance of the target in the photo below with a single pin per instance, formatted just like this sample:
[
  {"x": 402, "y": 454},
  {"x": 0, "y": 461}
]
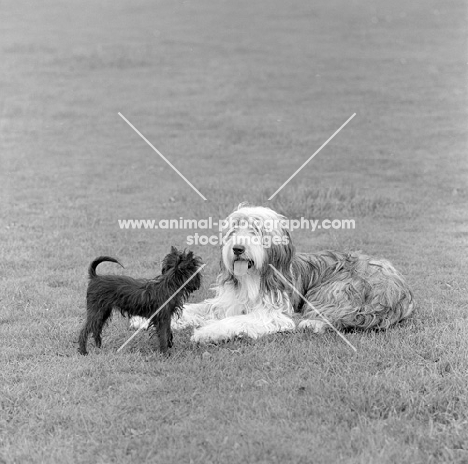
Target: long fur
[
  {"x": 350, "y": 290},
  {"x": 257, "y": 303},
  {"x": 140, "y": 297}
]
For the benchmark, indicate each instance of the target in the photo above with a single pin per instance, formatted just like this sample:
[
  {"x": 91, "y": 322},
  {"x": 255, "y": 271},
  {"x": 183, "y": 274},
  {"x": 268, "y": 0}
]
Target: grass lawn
[{"x": 237, "y": 95}]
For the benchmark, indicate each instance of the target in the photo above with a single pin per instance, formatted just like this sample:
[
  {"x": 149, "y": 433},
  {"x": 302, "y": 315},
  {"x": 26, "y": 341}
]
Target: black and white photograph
[{"x": 234, "y": 232}]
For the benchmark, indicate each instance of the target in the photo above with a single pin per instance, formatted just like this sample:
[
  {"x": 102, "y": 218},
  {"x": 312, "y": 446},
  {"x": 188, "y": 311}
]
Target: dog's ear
[
  {"x": 280, "y": 256},
  {"x": 281, "y": 252}
]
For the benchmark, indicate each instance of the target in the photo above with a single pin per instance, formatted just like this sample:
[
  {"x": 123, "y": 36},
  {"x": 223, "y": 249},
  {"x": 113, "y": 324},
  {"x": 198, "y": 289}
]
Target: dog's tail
[{"x": 96, "y": 262}]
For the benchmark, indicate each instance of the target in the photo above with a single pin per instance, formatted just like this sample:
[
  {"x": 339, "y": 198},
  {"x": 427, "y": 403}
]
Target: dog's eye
[
  {"x": 230, "y": 232},
  {"x": 256, "y": 230}
]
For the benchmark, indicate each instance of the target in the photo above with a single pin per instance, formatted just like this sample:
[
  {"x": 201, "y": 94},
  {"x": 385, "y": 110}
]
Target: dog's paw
[
  {"x": 137, "y": 322},
  {"x": 313, "y": 324},
  {"x": 208, "y": 335},
  {"x": 179, "y": 323},
  {"x": 185, "y": 321}
]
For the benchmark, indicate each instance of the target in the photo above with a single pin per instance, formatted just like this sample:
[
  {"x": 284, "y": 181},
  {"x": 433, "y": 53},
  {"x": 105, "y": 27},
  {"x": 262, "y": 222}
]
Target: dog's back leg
[
  {"x": 83, "y": 339},
  {"x": 92, "y": 314},
  {"x": 94, "y": 323},
  {"x": 98, "y": 323}
]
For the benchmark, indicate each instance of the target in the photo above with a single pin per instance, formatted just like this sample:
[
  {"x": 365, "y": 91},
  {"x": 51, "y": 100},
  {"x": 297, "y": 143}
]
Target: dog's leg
[
  {"x": 193, "y": 315},
  {"x": 315, "y": 325},
  {"x": 162, "y": 329},
  {"x": 164, "y": 333},
  {"x": 319, "y": 318},
  {"x": 92, "y": 315},
  {"x": 83, "y": 339},
  {"x": 98, "y": 322},
  {"x": 249, "y": 325}
]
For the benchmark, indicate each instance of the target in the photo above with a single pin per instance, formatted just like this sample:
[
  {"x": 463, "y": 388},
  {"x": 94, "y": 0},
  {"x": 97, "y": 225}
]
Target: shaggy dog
[
  {"x": 259, "y": 268},
  {"x": 164, "y": 295}
]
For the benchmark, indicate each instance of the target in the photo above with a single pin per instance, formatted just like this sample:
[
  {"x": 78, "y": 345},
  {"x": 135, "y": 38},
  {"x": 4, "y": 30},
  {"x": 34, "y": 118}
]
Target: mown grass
[{"x": 237, "y": 95}]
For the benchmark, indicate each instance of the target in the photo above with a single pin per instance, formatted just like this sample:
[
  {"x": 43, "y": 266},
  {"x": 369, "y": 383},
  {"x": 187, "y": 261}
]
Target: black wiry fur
[{"x": 140, "y": 297}]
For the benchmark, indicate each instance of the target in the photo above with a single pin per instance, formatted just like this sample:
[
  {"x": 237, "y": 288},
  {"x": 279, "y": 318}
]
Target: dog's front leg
[
  {"x": 249, "y": 325},
  {"x": 164, "y": 332},
  {"x": 193, "y": 315}
]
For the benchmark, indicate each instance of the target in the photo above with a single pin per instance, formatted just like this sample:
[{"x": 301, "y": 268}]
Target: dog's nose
[{"x": 238, "y": 249}]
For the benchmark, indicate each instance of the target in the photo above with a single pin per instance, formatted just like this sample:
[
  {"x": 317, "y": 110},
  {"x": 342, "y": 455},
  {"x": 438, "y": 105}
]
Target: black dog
[{"x": 140, "y": 297}]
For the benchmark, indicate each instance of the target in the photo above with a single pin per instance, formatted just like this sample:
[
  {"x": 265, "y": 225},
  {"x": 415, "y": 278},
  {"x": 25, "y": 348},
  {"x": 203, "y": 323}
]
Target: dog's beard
[{"x": 249, "y": 273}]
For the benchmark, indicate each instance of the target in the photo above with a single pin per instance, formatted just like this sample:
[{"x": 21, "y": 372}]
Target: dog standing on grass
[{"x": 141, "y": 297}]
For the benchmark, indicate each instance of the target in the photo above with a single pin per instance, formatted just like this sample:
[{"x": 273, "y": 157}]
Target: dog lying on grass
[{"x": 265, "y": 286}]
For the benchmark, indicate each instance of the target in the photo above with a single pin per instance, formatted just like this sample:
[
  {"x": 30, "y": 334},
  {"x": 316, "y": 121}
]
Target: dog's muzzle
[{"x": 238, "y": 249}]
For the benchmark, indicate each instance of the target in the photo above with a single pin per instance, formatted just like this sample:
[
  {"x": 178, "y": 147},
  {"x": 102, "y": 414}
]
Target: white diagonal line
[
  {"x": 162, "y": 306},
  {"x": 159, "y": 153},
  {"x": 314, "y": 308},
  {"x": 349, "y": 119}
]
